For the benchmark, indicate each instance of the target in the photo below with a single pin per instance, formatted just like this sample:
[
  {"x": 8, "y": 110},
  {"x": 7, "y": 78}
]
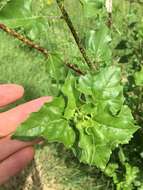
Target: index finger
[
  {"x": 11, "y": 119},
  {"x": 10, "y": 93}
]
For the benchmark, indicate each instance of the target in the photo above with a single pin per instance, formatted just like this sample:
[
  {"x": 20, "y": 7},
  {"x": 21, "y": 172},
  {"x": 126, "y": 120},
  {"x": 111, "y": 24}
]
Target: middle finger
[{"x": 9, "y": 147}]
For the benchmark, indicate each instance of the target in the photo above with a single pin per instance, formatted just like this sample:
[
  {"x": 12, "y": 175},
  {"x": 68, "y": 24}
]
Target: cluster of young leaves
[
  {"x": 88, "y": 117},
  {"x": 127, "y": 180}
]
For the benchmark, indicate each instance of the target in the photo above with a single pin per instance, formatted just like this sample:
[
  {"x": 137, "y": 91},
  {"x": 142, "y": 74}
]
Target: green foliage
[
  {"x": 54, "y": 158},
  {"x": 98, "y": 43},
  {"x": 95, "y": 113},
  {"x": 100, "y": 120},
  {"x": 16, "y": 13},
  {"x": 139, "y": 77},
  {"x": 49, "y": 124},
  {"x": 127, "y": 181},
  {"x": 90, "y": 6},
  {"x": 21, "y": 13}
]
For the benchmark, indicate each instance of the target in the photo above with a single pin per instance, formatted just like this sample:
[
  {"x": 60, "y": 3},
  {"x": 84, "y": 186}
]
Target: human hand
[{"x": 14, "y": 154}]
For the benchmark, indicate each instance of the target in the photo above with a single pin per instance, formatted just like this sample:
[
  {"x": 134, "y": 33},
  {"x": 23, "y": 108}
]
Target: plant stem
[
  {"x": 73, "y": 31},
  {"x": 33, "y": 45},
  {"x": 24, "y": 39},
  {"x": 108, "y": 4},
  {"x": 109, "y": 24},
  {"x": 73, "y": 67}
]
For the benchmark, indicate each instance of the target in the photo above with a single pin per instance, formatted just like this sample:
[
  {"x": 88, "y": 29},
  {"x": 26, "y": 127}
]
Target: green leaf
[
  {"x": 17, "y": 13},
  {"x": 91, "y": 6},
  {"x": 122, "y": 156},
  {"x": 105, "y": 122},
  {"x": 98, "y": 44},
  {"x": 85, "y": 84},
  {"x": 100, "y": 135},
  {"x": 47, "y": 123},
  {"x": 101, "y": 40},
  {"x": 68, "y": 91},
  {"x": 23, "y": 13},
  {"x": 111, "y": 169},
  {"x": 105, "y": 88},
  {"x": 139, "y": 77},
  {"x": 130, "y": 178},
  {"x": 55, "y": 67},
  {"x": 59, "y": 131}
]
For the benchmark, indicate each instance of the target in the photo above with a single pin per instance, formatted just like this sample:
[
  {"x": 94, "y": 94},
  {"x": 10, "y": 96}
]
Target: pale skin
[{"x": 14, "y": 154}]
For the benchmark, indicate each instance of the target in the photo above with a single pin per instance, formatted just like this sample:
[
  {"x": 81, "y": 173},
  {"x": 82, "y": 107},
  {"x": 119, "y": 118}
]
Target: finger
[
  {"x": 10, "y": 120},
  {"x": 10, "y": 93},
  {"x": 9, "y": 147},
  {"x": 15, "y": 163}
]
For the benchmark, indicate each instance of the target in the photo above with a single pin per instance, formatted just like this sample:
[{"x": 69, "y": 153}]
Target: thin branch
[
  {"x": 73, "y": 31},
  {"x": 23, "y": 39},
  {"x": 109, "y": 23},
  {"x": 108, "y": 5},
  {"x": 33, "y": 45},
  {"x": 77, "y": 70}
]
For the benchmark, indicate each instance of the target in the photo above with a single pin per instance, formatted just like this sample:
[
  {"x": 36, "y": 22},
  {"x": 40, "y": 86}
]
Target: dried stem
[
  {"x": 109, "y": 24},
  {"x": 73, "y": 67},
  {"x": 30, "y": 43},
  {"x": 23, "y": 39},
  {"x": 73, "y": 31},
  {"x": 108, "y": 5}
]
